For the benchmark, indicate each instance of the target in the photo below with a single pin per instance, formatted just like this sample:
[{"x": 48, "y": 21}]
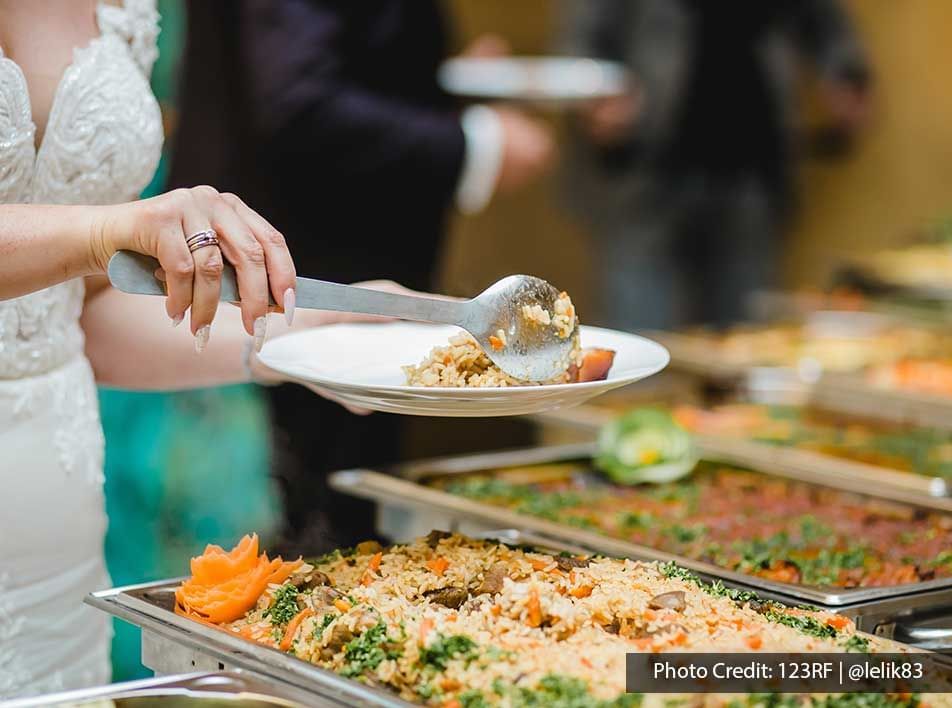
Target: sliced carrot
[
  {"x": 425, "y": 627},
  {"x": 495, "y": 610},
  {"x": 367, "y": 578},
  {"x": 225, "y": 585},
  {"x": 495, "y": 342},
  {"x": 534, "y": 618},
  {"x": 581, "y": 591},
  {"x": 438, "y": 565},
  {"x": 342, "y": 604},
  {"x": 754, "y": 642},
  {"x": 450, "y": 684},
  {"x": 538, "y": 564},
  {"x": 838, "y": 622},
  {"x": 586, "y": 663},
  {"x": 374, "y": 563},
  {"x": 452, "y": 703},
  {"x": 292, "y": 629}
]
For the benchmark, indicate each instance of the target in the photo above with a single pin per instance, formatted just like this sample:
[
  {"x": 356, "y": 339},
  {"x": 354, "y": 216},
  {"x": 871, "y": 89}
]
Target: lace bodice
[{"x": 101, "y": 145}]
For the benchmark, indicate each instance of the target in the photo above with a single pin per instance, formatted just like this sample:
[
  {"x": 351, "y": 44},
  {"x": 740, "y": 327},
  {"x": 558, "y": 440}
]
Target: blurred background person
[
  {"x": 328, "y": 116},
  {"x": 687, "y": 181}
]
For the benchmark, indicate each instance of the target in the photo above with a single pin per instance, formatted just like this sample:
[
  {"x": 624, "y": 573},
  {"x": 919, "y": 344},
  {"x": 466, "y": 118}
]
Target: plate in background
[{"x": 561, "y": 79}]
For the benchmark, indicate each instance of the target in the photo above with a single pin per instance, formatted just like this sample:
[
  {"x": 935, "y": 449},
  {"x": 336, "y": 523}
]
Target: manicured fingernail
[
  {"x": 289, "y": 306},
  {"x": 261, "y": 330},
  {"x": 177, "y": 320},
  {"x": 201, "y": 338}
]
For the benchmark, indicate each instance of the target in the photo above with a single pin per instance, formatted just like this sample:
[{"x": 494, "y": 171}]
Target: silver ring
[
  {"x": 202, "y": 243},
  {"x": 207, "y": 233}
]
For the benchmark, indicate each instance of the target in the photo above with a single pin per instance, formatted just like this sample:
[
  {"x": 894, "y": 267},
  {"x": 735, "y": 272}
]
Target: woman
[{"x": 80, "y": 129}]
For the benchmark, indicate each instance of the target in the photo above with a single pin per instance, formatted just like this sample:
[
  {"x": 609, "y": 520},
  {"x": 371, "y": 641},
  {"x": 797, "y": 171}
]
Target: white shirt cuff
[{"x": 482, "y": 159}]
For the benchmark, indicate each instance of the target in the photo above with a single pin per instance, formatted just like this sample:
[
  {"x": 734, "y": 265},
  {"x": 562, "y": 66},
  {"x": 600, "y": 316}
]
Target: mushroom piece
[
  {"x": 314, "y": 579},
  {"x": 340, "y": 636},
  {"x": 673, "y": 600},
  {"x": 367, "y": 547},
  {"x": 452, "y": 597},
  {"x": 325, "y": 595},
  {"x": 493, "y": 579},
  {"x": 568, "y": 563},
  {"x": 435, "y": 536}
]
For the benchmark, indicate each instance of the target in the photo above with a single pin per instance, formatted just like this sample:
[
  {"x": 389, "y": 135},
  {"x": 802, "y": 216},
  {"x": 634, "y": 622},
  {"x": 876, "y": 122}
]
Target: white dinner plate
[
  {"x": 360, "y": 365},
  {"x": 533, "y": 78}
]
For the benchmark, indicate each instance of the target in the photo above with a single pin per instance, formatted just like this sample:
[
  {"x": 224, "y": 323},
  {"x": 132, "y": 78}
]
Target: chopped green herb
[
  {"x": 366, "y": 652},
  {"x": 284, "y": 606},
  {"x": 326, "y": 621},
  {"x": 807, "y": 625},
  {"x": 473, "y": 699},
  {"x": 444, "y": 649},
  {"x": 857, "y": 644}
]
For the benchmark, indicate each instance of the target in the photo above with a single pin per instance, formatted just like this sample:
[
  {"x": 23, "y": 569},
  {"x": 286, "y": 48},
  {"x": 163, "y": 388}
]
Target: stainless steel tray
[
  {"x": 172, "y": 643},
  {"x": 407, "y": 507},
  {"x": 851, "y": 394},
  {"x": 832, "y": 471},
  {"x": 198, "y": 690}
]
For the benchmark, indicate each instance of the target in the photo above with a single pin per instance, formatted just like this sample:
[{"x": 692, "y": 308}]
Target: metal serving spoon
[{"x": 530, "y": 352}]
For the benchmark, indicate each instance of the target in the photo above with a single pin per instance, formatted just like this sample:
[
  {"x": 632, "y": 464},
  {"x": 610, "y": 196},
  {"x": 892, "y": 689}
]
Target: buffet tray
[
  {"x": 198, "y": 690},
  {"x": 588, "y": 419},
  {"x": 408, "y": 508},
  {"x": 852, "y": 394},
  {"x": 172, "y": 644}
]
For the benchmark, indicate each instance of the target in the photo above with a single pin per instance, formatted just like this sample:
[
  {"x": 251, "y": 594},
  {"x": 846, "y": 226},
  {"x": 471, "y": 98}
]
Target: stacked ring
[{"x": 201, "y": 239}]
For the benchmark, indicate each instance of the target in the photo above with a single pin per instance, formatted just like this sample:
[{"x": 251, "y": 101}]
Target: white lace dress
[{"x": 101, "y": 145}]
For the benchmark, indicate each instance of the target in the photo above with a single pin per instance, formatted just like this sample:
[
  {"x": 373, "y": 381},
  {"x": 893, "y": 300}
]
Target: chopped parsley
[
  {"x": 554, "y": 691},
  {"x": 444, "y": 649},
  {"x": 717, "y": 588},
  {"x": 284, "y": 606},
  {"x": 685, "y": 534},
  {"x": 326, "y": 621},
  {"x": 635, "y": 519},
  {"x": 366, "y": 652},
  {"x": 802, "y": 623},
  {"x": 473, "y": 699},
  {"x": 857, "y": 644}
]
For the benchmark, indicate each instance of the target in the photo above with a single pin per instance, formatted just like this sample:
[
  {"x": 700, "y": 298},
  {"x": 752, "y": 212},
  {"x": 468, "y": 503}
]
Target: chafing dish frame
[
  {"x": 171, "y": 641},
  {"x": 220, "y": 684},
  {"x": 401, "y": 495},
  {"x": 850, "y": 475}
]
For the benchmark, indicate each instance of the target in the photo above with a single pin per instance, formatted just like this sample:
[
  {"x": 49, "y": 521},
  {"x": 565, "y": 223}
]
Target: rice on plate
[{"x": 462, "y": 363}]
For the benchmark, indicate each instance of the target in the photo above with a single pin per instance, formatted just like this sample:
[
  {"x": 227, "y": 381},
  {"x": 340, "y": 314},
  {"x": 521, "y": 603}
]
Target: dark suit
[
  {"x": 325, "y": 117},
  {"x": 688, "y": 209}
]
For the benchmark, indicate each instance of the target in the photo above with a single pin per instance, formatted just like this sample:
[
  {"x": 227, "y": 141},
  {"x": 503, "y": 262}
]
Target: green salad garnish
[{"x": 645, "y": 445}]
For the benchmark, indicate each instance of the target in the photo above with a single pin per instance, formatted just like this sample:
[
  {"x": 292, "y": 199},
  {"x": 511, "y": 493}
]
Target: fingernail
[
  {"x": 201, "y": 338},
  {"x": 289, "y": 306},
  {"x": 261, "y": 329},
  {"x": 177, "y": 320}
]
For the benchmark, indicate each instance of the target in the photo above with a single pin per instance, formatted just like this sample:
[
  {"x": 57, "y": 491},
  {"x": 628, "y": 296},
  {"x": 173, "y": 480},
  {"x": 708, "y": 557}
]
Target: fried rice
[
  {"x": 462, "y": 363},
  {"x": 451, "y": 621}
]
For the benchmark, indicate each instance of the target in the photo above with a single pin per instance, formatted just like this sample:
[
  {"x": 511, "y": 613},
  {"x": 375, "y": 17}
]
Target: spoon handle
[{"x": 135, "y": 273}]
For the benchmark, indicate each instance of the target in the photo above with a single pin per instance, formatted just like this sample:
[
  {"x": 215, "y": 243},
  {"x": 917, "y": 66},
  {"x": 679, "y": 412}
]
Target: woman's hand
[{"x": 160, "y": 226}]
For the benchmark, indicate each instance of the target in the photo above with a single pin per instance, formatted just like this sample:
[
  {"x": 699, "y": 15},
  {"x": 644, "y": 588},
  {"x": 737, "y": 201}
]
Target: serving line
[
  {"x": 173, "y": 643},
  {"x": 408, "y": 508}
]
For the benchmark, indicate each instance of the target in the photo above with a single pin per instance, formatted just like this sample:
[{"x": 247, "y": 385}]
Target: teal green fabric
[{"x": 182, "y": 469}]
